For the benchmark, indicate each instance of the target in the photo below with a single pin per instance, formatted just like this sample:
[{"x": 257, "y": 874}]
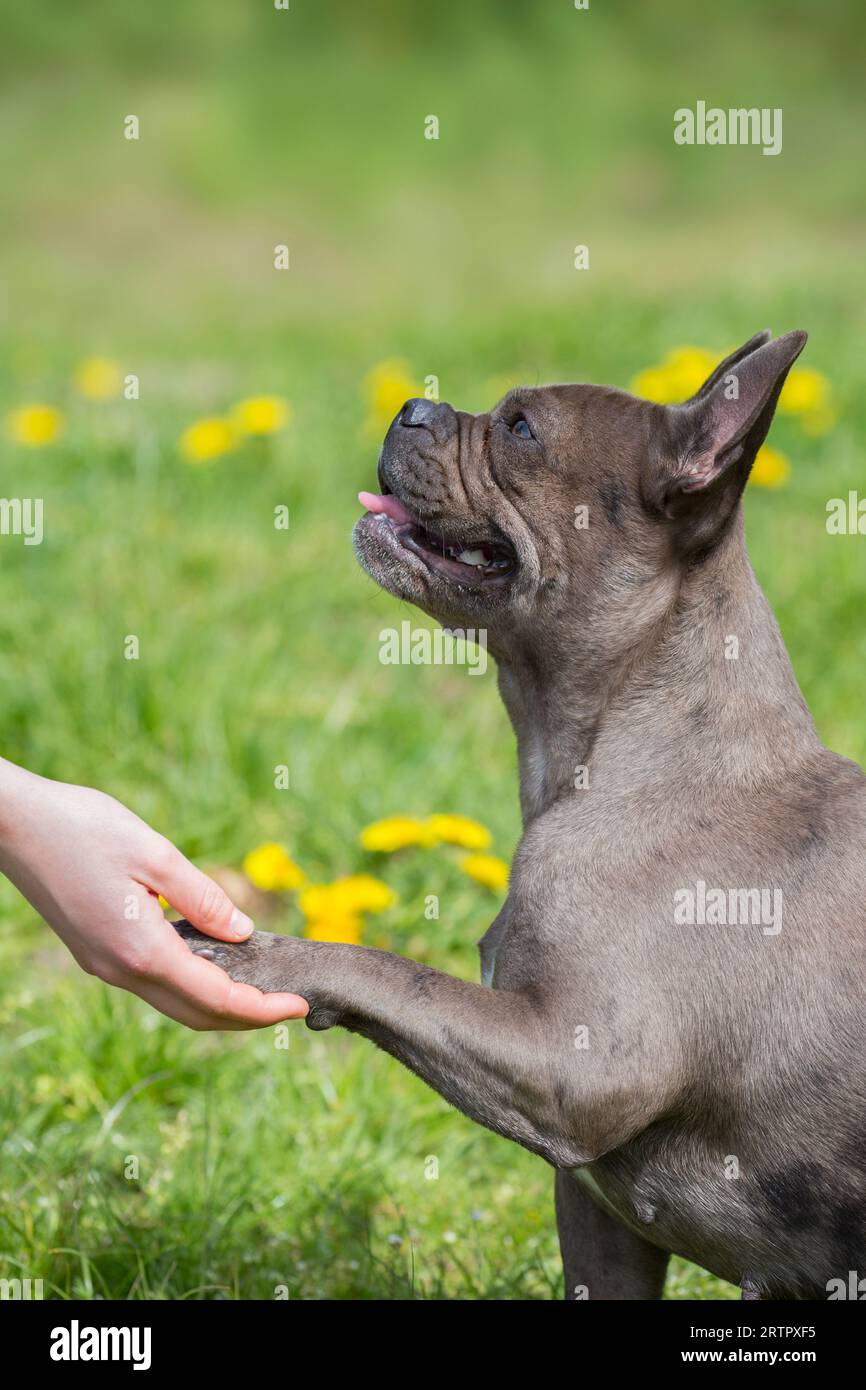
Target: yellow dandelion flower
[
  {"x": 366, "y": 893},
  {"x": 653, "y": 384},
  {"x": 805, "y": 392},
  {"x": 165, "y": 904},
  {"x": 486, "y": 869},
  {"x": 460, "y": 830},
  {"x": 261, "y": 415},
  {"x": 386, "y": 387},
  {"x": 269, "y": 868},
  {"x": 316, "y": 900},
  {"x": 689, "y": 367},
  {"x": 207, "y": 439},
  {"x": 33, "y": 425},
  {"x": 682, "y": 372},
  {"x": 357, "y": 893},
  {"x": 771, "y": 468},
  {"x": 98, "y": 379},
  {"x": 396, "y": 832},
  {"x": 345, "y": 928}
]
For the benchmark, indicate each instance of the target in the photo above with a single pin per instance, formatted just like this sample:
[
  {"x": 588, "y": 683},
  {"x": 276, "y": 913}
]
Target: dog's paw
[
  {"x": 263, "y": 960},
  {"x": 272, "y": 963}
]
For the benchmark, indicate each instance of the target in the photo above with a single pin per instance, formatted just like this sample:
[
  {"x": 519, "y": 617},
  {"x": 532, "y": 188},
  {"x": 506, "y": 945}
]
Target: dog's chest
[
  {"x": 671, "y": 1209},
  {"x": 743, "y": 1223}
]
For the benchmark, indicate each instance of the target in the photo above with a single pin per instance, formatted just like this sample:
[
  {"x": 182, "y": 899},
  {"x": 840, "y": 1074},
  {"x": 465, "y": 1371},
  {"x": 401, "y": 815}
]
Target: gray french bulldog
[{"x": 678, "y": 1007}]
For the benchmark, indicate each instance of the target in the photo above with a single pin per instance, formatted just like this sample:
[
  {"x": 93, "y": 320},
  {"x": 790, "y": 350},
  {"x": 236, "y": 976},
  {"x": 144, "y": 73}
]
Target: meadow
[{"x": 139, "y": 1160}]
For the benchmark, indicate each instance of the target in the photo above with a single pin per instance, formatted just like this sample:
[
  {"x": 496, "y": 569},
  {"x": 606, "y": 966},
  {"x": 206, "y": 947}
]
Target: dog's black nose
[{"x": 419, "y": 413}]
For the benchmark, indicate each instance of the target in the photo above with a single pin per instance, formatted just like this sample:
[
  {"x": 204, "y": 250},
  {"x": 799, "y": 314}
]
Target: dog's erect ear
[
  {"x": 708, "y": 445},
  {"x": 730, "y": 361}
]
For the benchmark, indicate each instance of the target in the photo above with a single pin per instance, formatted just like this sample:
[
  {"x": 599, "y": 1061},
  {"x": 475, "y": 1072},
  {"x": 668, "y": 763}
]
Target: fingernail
[
  {"x": 240, "y": 925},
  {"x": 295, "y": 1006}
]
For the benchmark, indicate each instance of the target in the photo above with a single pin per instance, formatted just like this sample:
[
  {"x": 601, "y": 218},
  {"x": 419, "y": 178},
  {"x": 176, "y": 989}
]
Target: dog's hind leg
[{"x": 601, "y": 1258}]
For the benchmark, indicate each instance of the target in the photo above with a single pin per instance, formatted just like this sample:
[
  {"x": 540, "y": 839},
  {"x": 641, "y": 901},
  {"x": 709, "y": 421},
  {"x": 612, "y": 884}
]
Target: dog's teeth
[{"x": 472, "y": 557}]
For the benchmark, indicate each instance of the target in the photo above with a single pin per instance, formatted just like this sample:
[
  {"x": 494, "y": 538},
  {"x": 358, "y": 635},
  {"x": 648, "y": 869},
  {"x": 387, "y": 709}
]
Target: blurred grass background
[{"x": 260, "y": 1167}]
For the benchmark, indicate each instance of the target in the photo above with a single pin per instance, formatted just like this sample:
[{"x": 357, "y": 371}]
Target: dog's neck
[{"x": 705, "y": 698}]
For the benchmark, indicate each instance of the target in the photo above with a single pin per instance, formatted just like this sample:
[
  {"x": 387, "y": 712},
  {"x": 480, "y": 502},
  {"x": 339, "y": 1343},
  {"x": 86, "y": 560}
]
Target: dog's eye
[{"x": 521, "y": 427}]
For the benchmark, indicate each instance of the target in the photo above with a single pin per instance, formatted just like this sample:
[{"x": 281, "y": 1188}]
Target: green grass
[{"x": 258, "y": 1167}]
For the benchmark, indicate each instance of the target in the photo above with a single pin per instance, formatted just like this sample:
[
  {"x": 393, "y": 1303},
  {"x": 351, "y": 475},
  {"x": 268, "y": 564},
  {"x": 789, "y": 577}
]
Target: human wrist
[{"x": 21, "y": 792}]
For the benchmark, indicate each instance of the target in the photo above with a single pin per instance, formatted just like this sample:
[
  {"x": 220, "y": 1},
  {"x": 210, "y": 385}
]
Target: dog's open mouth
[{"x": 469, "y": 562}]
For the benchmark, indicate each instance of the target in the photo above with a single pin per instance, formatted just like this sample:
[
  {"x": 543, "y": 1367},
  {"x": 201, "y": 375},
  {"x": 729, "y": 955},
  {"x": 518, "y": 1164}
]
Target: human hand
[{"x": 93, "y": 870}]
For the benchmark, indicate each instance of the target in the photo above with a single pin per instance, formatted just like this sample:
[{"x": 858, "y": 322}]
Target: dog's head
[{"x": 564, "y": 501}]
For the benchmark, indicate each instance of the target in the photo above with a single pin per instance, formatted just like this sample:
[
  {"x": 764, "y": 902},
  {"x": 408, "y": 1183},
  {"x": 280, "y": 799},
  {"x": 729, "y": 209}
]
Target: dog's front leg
[
  {"x": 601, "y": 1258},
  {"x": 494, "y": 1054}
]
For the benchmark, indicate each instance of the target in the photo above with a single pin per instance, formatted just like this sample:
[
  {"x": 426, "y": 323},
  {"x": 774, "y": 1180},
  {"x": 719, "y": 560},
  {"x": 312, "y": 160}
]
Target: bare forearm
[{"x": 18, "y": 793}]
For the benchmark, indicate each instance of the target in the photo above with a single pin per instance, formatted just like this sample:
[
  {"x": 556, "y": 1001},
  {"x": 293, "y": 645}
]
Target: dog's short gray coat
[{"x": 698, "y": 1088}]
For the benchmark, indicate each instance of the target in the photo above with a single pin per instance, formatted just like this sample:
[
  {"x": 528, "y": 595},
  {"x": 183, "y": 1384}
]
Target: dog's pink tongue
[{"x": 386, "y": 504}]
